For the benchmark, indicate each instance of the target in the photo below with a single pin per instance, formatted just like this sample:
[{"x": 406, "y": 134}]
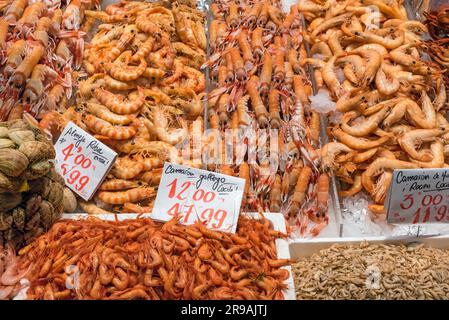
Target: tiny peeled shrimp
[
  {"x": 117, "y": 185},
  {"x": 380, "y": 165},
  {"x": 256, "y": 101},
  {"x": 117, "y": 103},
  {"x": 409, "y": 140},
  {"x": 366, "y": 126},
  {"x": 104, "y": 113},
  {"x": 299, "y": 194},
  {"x": 356, "y": 142},
  {"x": 128, "y": 196},
  {"x": 104, "y": 128},
  {"x": 355, "y": 188},
  {"x": 437, "y": 149}
]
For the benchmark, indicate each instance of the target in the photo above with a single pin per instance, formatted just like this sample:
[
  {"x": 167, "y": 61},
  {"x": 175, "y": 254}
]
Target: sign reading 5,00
[
  {"x": 82, "y": 160},
  {"x": 419, "y": 196},
  {"x": 197, "y": 195}
]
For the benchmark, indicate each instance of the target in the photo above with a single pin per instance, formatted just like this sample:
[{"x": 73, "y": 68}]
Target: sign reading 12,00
[
  {"x": 82, "y": 160},
  {"x": 419, "y": 196},
  {"x": 198, "y": 195}
]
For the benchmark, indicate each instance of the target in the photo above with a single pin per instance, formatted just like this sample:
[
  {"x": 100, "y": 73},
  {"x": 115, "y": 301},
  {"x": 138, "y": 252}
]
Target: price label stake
[
  {"x": 82, "y": 160},
  {"x": 418, "y": 196},
  {"x": 199, "y": 195}
]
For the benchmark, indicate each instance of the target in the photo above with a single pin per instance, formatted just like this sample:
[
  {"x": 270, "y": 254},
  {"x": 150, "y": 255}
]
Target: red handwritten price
[
  {"x": 215, "y": 217},
  {"x": 419, "y": 196},
  {"x": 82, "y": 160},
  {"x": 197, "y": 195},
  {"x": 73, "y": 176}
]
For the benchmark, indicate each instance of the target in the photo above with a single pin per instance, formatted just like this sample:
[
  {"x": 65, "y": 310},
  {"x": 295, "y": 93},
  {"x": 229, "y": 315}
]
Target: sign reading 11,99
[
  {"x": 198, "y": 195},
  {"x": 419, "y": 196},
  {"x": 82, "y": 160}
]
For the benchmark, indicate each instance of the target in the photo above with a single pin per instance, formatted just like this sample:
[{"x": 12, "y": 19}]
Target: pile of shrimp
[
  {"x": 142, "y": 97},
  {"x": 40, "y": 47},
  {"x": 390, "y": 102},
  {"x": 10, "y": 274},
  {"x": 256, "y": 56},
  {"x": 144, "y": 259}
]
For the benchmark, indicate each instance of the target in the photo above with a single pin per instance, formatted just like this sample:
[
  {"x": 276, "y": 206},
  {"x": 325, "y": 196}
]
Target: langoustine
[{"x": 260, "y": 107}]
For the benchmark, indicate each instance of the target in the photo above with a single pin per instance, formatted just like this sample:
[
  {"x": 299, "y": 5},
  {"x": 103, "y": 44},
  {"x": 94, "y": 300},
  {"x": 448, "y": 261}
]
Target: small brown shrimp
[
  {"x": 135, "y": 208},
  {"x": 144, "y": 49},
  {"x": 118, "y": 185},
  {"x": 104, "y": 113},
  {"x": 92, "y": 208},
  {"x": 355, "y": 188},
  {"x": 104, "y": 128},
  {"x": 128, "y": 196},
  {"x": 117, "y": 103}
]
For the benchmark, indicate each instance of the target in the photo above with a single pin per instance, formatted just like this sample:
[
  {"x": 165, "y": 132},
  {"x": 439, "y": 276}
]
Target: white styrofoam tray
[
  {"x": 302, "y": 249},
  {"x": 276, "y": 219}
]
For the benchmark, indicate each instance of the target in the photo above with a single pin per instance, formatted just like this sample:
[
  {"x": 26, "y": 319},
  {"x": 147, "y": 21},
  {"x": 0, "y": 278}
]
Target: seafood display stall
[{"x": 313, "y": 103}]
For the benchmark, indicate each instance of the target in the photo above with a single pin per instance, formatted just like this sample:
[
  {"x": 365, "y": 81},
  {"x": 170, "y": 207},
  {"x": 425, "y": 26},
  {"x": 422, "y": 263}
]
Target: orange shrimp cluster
[
  {"x": 142, "y": 97},
  {"x": 144, "y": 259},
  {"x": 390, "y": 100},
  {"x": 261, "y": 96},
  {"x": 40, "y": 44}
]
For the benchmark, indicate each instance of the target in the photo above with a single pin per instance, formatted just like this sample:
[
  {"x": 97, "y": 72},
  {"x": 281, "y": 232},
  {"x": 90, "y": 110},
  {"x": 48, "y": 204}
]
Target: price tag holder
[
  {"x": 418, "y": 196},
  {"x": 82, "y": 160},
  {"x": 199, "y": 195}
]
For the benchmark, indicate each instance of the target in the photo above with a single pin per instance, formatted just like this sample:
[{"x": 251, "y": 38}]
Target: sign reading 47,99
[
  {"x": 199, "y": 195},
  {"x": 419, "y": 196},
  {"x": 82, "y": 160}
]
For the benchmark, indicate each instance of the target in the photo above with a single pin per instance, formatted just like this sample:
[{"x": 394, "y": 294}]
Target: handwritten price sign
[
  {"x": 82, "y": 160},
  {"x": 199, "y": 195},
  {"x": 419, "y": 196}
]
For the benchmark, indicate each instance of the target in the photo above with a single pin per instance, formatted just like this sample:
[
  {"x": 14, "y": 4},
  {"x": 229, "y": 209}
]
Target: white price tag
[
  {"x": 418, "y": 196},
  {"x": 199, "y": 195},
  {"x": 82, "y": 160}
]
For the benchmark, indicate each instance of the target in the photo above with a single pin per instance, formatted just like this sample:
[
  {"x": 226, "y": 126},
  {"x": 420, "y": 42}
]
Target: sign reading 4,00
[
  {"x": 194, "y": 195},
  {"x": 82, "y": 160}
]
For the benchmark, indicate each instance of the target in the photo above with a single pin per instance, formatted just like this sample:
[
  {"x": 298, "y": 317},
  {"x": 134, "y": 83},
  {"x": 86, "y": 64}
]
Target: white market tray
[
  {"x": 302, "y": 249},
  {"x": 276, "y": 219}
]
